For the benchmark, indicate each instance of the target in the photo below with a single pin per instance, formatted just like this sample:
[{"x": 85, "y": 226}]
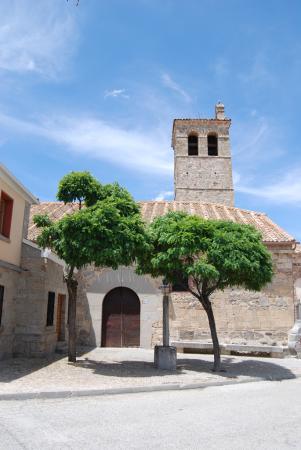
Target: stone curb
[{"x": 133, "y": 390}]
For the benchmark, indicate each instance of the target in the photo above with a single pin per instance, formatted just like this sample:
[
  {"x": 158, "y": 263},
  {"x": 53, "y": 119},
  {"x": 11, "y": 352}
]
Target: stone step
[{"x": 275, "y": 351}]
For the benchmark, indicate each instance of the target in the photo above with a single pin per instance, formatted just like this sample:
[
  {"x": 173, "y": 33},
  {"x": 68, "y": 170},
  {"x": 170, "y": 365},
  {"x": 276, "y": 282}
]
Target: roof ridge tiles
[
  {"x": 204, "y": 203},
  {"x": 219, "y": 205},
  {"x": 271, "y": 232}
]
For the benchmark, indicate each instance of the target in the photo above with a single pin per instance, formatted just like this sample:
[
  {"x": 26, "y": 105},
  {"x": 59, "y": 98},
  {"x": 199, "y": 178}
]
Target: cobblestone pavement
[{"x": 104, "y": 368}]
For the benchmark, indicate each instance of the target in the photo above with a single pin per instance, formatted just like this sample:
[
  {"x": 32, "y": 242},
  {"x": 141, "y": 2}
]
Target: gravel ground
[{"x": 104, "y": 368}]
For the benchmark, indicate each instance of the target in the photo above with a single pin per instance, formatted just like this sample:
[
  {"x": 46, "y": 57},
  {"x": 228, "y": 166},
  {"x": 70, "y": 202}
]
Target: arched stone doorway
[{"x": 121, "y": 319}]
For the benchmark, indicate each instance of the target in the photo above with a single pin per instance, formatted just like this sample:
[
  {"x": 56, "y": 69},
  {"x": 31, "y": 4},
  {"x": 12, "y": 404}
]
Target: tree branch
[
  {"x": 214, "y": 287},
  {"x": 198, "y": 286},
  {"x": 193, "y": 293},
  {"x": 200, "y": 299}
]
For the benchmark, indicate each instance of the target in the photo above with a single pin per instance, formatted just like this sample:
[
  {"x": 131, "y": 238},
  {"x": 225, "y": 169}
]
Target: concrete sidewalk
[{"x": 112, "y": 371}]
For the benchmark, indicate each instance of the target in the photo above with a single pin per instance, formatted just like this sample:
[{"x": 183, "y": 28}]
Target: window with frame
[
  {"x": 1, "y": 302},
  {"x": 50, "y": 309},
  {"x": 193, "y": 145},
  {"x": 212, "y": 145},
  {"x": 6, "y": 213}
]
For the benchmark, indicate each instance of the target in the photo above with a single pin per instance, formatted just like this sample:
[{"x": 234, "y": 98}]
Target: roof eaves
[{"x": 10, "y": 179}]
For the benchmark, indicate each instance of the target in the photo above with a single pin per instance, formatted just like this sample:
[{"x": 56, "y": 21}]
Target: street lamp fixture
[{"x": 165, "y": 287}]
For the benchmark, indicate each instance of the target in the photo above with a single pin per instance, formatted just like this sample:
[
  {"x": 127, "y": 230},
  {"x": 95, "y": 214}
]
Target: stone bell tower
[{"x": 202, "y": 159}]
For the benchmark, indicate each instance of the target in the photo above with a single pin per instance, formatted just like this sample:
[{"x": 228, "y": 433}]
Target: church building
[{"x": 118, "y": 308}]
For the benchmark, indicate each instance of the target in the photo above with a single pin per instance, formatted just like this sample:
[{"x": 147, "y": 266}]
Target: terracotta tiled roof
[
  {"x": 55, "y": 211},
  {"x": 271, "y": 232}
]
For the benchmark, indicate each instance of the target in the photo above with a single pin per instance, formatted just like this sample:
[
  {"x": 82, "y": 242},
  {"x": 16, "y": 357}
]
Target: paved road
[{"x": 262, "y": 415}]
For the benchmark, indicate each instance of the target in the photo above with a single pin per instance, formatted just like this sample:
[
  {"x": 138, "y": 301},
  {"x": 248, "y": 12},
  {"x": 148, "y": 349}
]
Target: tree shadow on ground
[
  {"x": 263, "y": 370},
  {"x": 187, "y": 367},
  {"x": 246, "y": 367},
  {"x": 13, "y": 368}
]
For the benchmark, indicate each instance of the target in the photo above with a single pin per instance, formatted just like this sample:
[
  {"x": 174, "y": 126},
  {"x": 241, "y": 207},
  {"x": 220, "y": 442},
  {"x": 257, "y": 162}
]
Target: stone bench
[{"x": 273, "y": 351}]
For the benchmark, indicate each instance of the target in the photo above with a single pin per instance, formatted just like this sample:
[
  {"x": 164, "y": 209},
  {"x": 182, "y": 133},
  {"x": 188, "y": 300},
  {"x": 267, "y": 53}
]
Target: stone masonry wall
[
  {"x": 32, "y": 336},
  {"x": 86, "y": 333},
  {"x": 243, "y": 317},
  {"x": 205, "y": 179}
]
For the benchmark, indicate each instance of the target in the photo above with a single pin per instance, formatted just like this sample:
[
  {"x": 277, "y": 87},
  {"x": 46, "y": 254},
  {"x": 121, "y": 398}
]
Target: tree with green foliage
[
  {"x": 107, "y": 232},
  {"x": 79, "y": 187},
  {"x": 213, "y": 255}
]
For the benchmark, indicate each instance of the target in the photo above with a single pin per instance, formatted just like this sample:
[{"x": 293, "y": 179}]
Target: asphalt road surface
[{"x": 263, "y": 415}]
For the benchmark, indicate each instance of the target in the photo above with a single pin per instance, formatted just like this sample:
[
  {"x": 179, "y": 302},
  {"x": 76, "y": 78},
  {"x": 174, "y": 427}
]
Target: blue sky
[{"x": 96, "y": 87}]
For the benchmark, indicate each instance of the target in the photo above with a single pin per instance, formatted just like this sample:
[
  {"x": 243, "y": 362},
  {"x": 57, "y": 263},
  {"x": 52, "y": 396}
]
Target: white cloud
[
  {"x": 285, "y": 191},
  {"x": 36, "y": 36},
  {"x": 171, "y": 84},
  {"x": 146, "y": 151},
  {"x": 116, "y": 93},
  {"x": 252, "y": 137},
  {"x": 258, "y": 71},
  {"x": 164, "y": 195},
  {"x": 256, "y": 141},
  {"x": 259, "y": 149}
]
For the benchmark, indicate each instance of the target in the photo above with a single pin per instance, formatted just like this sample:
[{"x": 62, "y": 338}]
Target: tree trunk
[
  {"x": 216, "y": 349},
  {"x": 72, "y": 293}
]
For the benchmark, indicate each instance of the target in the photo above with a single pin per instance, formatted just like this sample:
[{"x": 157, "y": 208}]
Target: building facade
[
  {"x": 15, "y": 201},
  {"x": 243, "y": 317},
  {"x": 118, "y": 308}
]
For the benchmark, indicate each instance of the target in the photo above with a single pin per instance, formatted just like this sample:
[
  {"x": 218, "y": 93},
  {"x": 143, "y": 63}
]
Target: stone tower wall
[{"x": 202, "y": 177}]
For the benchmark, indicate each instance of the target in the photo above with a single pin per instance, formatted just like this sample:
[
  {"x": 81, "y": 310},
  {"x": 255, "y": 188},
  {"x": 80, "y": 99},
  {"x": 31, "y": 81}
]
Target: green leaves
[
  {"x": 80, "y": 187},
  {"x": 201, "y": 270},
  {"x": 239, "y": 254},
  {"x": 109, "y": 233},
  {"x": 42, "y": 220},
  {"x": 84, "y": 188},
  {"x": 215, "y": 254}
]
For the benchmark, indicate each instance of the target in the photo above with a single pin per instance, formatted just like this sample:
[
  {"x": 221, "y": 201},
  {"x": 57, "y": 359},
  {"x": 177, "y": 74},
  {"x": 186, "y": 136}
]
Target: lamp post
[
  {"x": 165, "y": 289},
  {"x": 165, "y": 355}
]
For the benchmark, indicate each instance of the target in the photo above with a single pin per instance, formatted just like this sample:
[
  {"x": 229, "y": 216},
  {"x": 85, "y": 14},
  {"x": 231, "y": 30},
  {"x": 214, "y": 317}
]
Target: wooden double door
[{"x": 121, "y": 319}]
